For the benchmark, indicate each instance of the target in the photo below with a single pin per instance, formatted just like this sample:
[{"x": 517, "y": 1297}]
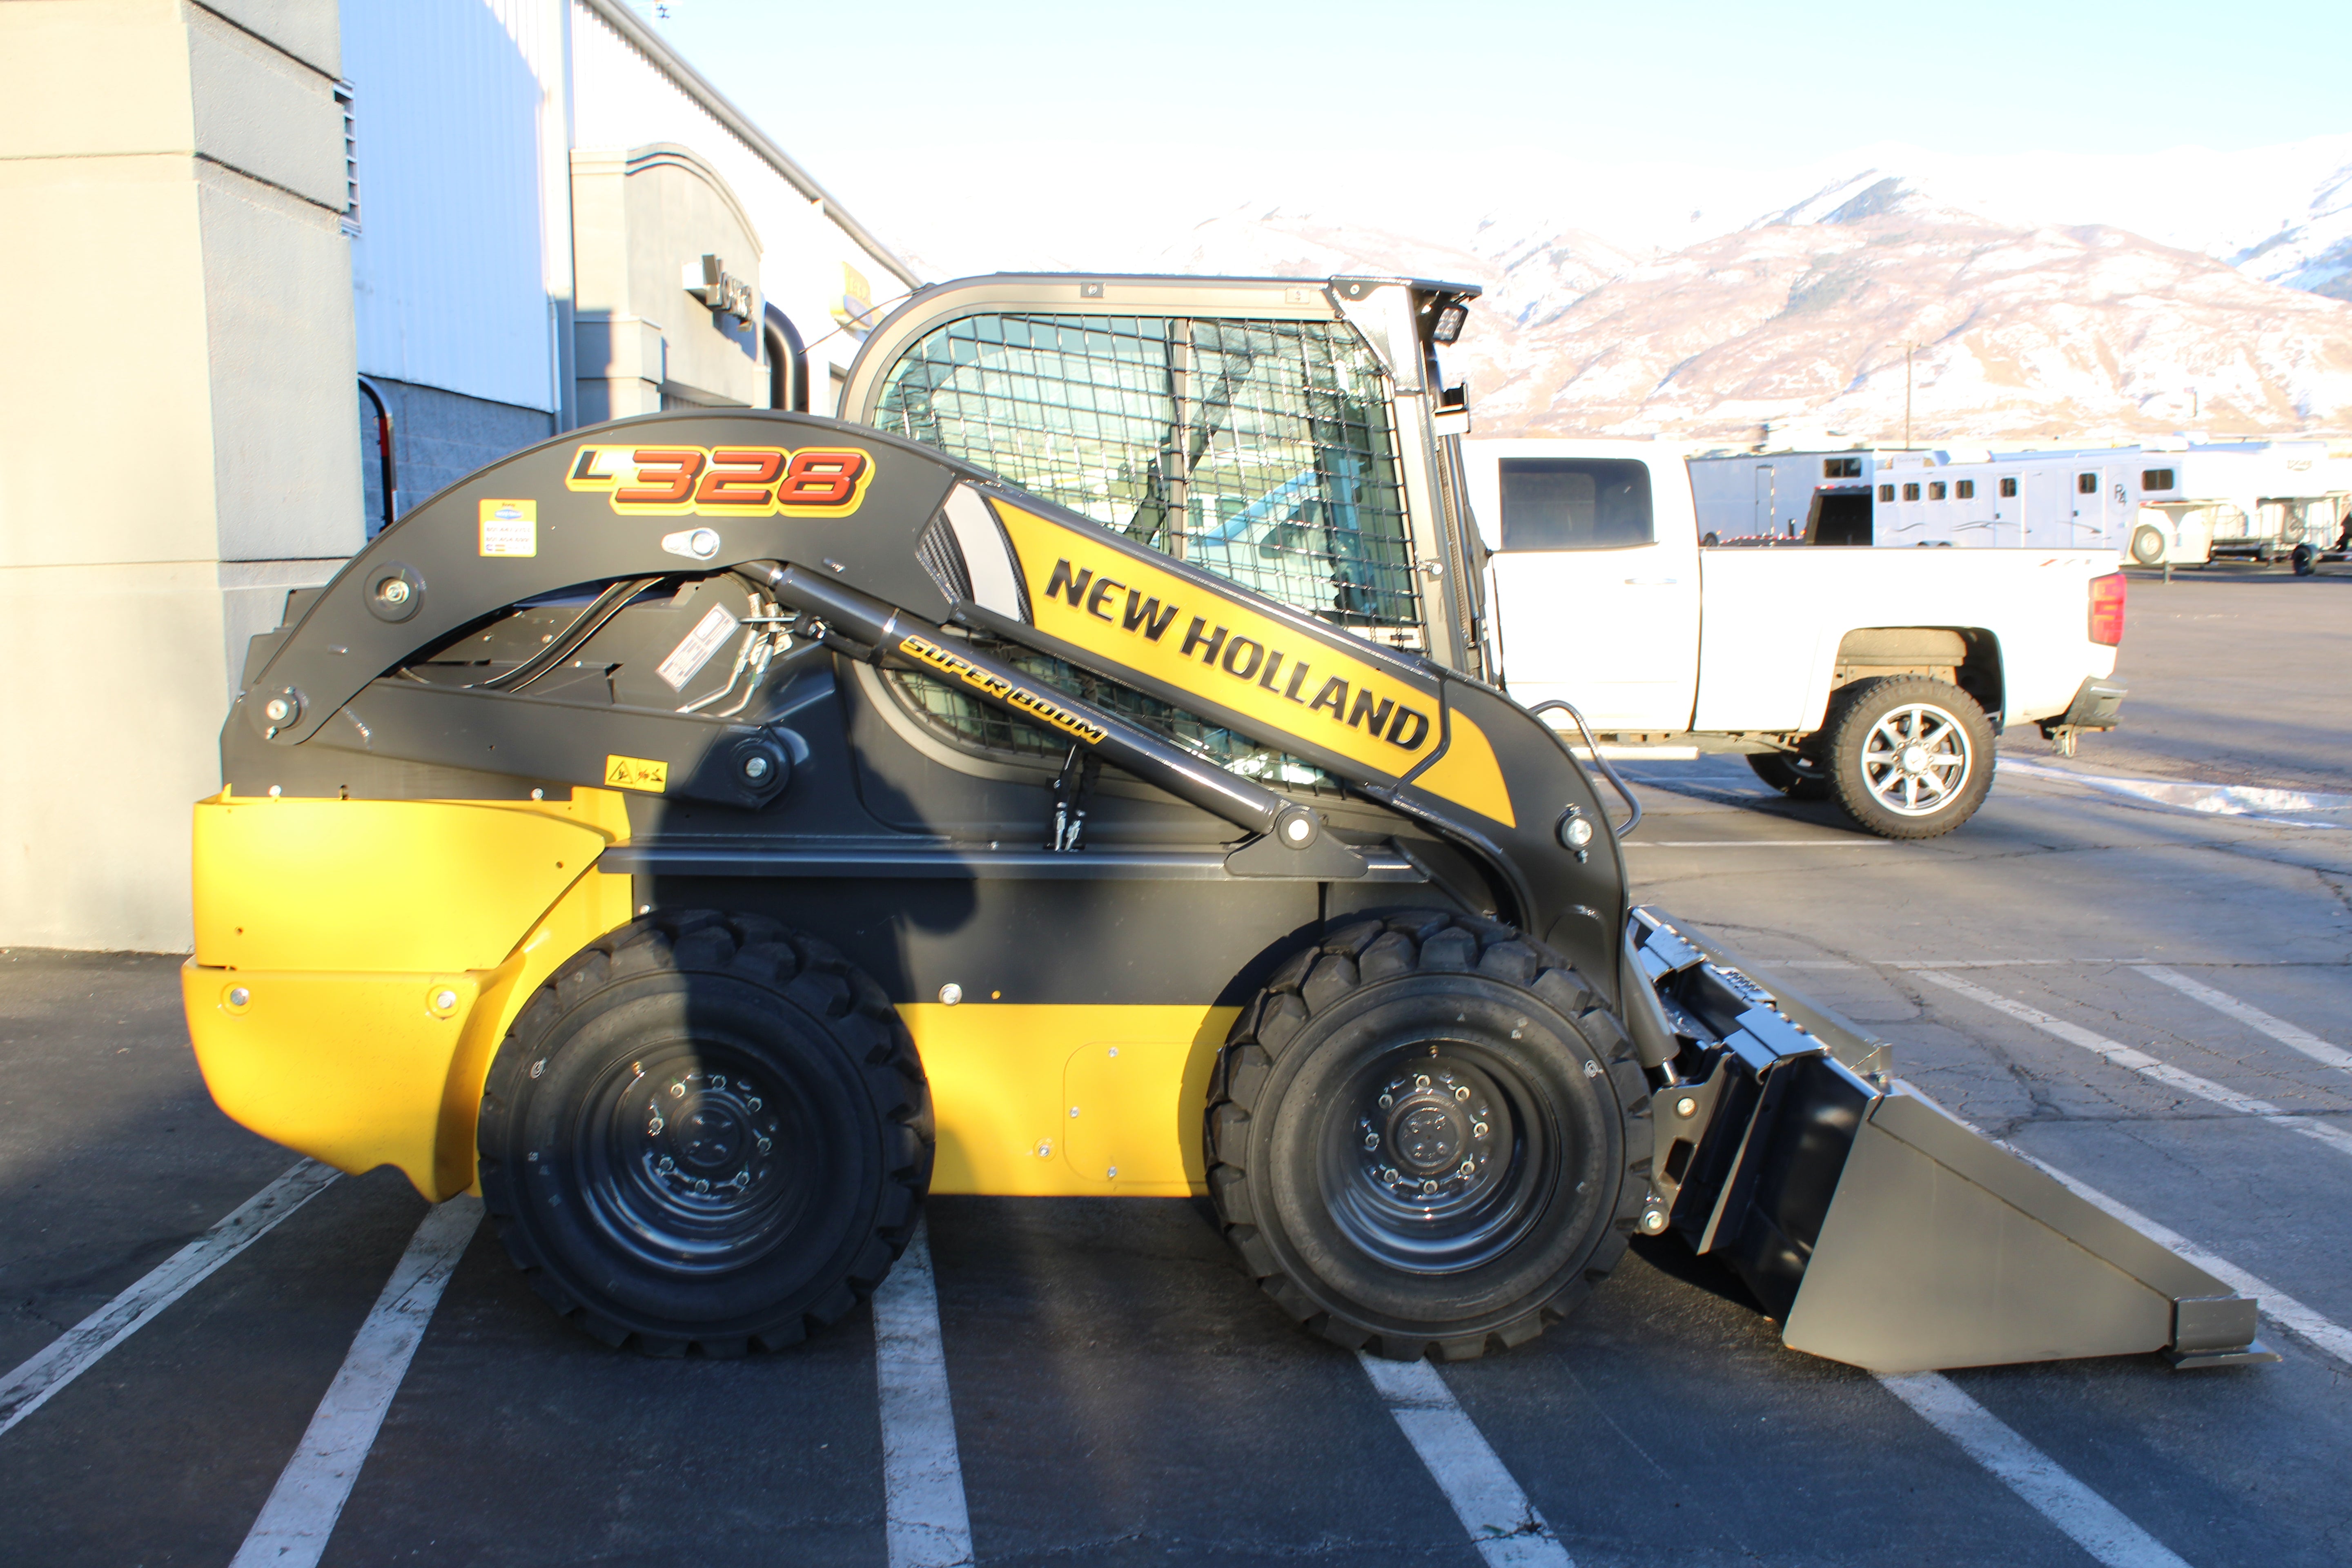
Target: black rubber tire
[
  {"x": 1856, "y": 710},
  {"x": 599, "y": 1206},
  {"x": 1516, "y": 1020},
  {"x": 2307, "y": 561},
  {"x": 1798, "y": 778}
]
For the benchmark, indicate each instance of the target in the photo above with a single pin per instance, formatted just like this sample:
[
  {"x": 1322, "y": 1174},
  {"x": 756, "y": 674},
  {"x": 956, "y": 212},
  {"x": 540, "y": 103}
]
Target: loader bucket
[{"x": 1875, "y": 1226}]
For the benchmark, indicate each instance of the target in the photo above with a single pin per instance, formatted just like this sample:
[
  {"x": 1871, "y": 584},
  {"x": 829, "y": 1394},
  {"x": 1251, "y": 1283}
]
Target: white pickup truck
[{"x": 1877, "y": 678}]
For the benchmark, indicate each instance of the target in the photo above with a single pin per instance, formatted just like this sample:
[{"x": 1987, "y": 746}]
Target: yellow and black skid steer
[{"x": 707, "y": 834}]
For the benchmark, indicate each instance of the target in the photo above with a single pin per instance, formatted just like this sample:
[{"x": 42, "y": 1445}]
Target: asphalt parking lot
[{"x": 1121, "y": 1394}]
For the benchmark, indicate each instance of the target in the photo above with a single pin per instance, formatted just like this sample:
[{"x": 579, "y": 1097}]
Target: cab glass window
[{"x": 1575, "y": 503}]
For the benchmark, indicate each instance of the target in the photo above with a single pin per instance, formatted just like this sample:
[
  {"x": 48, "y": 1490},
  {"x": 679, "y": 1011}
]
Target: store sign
[{"x": 709, "y": 282}]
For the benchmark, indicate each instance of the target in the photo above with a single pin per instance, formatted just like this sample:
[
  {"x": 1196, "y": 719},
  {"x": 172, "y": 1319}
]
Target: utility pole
[{"x": 1908, "y": 349}]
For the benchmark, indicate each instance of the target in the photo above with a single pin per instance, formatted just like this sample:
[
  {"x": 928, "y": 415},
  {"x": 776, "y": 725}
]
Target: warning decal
[
  {"x": 687, "y": 660},
  {"x": 510, "y": 528},
  {"x": 637, "y": 773}
]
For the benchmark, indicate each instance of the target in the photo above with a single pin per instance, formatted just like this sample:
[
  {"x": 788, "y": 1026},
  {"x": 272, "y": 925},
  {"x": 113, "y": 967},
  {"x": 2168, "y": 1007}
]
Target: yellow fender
[{"x": 360, "y": 1036}]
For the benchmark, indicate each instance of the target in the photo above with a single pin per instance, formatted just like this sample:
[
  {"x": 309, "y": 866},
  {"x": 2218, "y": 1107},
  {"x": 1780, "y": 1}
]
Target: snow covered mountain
[{"x": 2034, "y": 297}]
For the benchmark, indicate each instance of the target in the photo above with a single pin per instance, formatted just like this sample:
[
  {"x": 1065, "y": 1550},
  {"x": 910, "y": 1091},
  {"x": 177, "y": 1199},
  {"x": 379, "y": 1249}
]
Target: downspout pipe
[{"x": 383, "y": 454}]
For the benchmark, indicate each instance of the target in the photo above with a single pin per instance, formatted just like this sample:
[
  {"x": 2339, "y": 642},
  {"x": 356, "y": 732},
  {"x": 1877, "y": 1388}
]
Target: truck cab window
[{"x": 1575, "y": 503}]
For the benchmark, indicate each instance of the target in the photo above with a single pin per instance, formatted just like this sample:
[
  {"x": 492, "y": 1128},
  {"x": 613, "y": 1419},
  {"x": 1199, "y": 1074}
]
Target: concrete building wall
[
  {"x": 175, "y": 269},
  {"x": 641, "y": 220},
  {"x": 622, "y": 98}
]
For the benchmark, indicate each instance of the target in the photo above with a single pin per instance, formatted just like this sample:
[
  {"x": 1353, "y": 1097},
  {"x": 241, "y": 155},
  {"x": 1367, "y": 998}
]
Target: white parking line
[
  {"x": 302, "y": 1509},
  {"x": 2094, "y": 1524},
  {"x": 71, "y": 1353},
  {"x": 2276, "y": 1304},
  {"x": 2146, "y": 1065},
  {"x": 2254, "y": 1017},
  {"x": 927, "y": 1523},
  {"x": 1505, "y": 1527},
  {"x": 1856, "y": 843}
]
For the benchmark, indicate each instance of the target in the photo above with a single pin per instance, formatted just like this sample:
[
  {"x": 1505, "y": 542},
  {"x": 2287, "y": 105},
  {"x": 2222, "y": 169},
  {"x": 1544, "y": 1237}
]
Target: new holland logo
[
  {"x": 1317, "y": 692},
  {"x": 1361, "y": 705},
  {"x": 724, "y": 482}
]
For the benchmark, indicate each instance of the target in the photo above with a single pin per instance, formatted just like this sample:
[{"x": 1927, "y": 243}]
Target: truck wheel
[
  {"x": 1910, "y": 757},
  {"x": 2307, "y": 561},
  {"x": 1797, "y": 777},
  {"x": 2148, "y": 545},
  {"x": 704, "y": 1131},
  {"x": 1428, "y": 1135}
]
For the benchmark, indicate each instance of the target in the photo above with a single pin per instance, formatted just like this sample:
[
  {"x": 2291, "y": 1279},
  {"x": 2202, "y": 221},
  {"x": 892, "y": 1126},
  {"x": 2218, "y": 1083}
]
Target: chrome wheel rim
[{"x": 1916, "y": 759}]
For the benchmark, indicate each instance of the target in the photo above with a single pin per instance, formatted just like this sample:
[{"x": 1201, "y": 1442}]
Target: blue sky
[{"x": 1738, "y": 84}]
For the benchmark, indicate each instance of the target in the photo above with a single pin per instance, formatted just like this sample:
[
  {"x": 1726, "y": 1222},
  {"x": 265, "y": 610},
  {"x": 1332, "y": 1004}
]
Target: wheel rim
[
  {"x": 1436, "y": 1157},
  {"x": 696, "y": 1157},
  {"x": 1916, "y": 759}
]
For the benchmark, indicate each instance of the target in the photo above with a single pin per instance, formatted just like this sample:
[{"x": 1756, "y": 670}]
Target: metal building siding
[
  {"x": 447, "y": 275},
  {"x": 622, "y": 100}
]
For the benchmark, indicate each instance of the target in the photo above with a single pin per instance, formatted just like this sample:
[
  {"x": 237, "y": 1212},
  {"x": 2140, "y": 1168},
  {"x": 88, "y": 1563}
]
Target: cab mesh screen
[{"x": 1260, "y": 450}]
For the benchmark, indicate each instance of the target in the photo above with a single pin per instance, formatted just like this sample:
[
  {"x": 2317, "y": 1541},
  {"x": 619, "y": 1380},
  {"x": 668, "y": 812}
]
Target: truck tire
[
  {"x": 2305, "y": 561},
  {"x": 2148, "y": 545},
  {"x": 704, "y": 1131},
  {"x": 1798, "y": 778},
  {"x": 1427, "y": 1134},
  {"x": 1909, "y": 756}
]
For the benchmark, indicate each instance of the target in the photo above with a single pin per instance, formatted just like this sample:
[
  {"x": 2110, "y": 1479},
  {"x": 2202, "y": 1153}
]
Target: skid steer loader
[{"x": 707, "y": 834}]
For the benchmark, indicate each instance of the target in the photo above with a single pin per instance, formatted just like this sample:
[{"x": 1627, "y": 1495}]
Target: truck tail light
[{"x": 2108, "y": 610}]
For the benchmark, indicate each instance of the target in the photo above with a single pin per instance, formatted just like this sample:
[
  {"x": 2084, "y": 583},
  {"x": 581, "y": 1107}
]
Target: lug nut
[
  {"x": 1371, "y": 1140},
  {"x": 1388, "y": 1173},
  {"x": 1479, "y": 1131},
  {"x": 1653, "y": 1221},
  {"x": 1687, "y": 1106},
  {"x": 1463, "y": 1092},
  {"x": 1469, "y": 1168},
  {"x": 1428, "y": 1187}
]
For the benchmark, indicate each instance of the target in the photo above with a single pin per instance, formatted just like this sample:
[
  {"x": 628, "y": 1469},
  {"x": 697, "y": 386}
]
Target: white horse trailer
[{"x": 2162, "y": 502}]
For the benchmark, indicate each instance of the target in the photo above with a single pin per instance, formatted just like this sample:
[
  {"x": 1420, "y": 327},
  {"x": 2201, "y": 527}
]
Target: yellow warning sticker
[
  {"x": 637, "y": 773},
  {"x": 510, "y": 528}
]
